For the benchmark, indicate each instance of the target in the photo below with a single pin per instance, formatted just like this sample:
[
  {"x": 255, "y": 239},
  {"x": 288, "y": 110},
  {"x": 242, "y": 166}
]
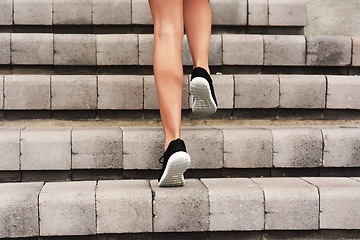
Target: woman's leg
[
  {"x": 168, "y": 37},
  {"x": 198, "y": 20}
]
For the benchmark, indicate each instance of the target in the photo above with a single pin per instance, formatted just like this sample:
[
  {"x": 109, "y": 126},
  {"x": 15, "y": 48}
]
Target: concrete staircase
[{"x": 81, "y": 136}]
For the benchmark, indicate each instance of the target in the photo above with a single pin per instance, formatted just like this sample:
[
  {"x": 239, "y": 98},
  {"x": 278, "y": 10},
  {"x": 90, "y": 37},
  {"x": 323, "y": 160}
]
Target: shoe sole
[
  {"x": 173, "y": 175},
  {"x": 203, "y": 104}
]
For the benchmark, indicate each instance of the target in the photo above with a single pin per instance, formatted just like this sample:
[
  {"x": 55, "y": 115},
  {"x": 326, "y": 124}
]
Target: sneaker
[
  {"x": 201, "y": 87},
  {"x": 176, "y": 161}
]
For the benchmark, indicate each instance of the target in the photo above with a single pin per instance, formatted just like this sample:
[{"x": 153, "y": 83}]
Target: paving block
[
  {"x": 151, "y": 97},
  {"x": 284, "y": 50},
  {"x": 290, "y": 204},
  {"x": 205, "y": 146},
  {"x": 120, "y": 92},
  {"x": 257, "y": 91},
  {"x": 302, "y": 91},
  {"x": 34, "y": 12},
  {"x": 73, "y": 92},
  {"x": 2, "y": 90},
  {"x": 356, "y": 51},
  {"x": 140, "y": 12},
  {"x": 340, "y": 205},
  {"x": 343, "y": 92},
  {"x": 341, "y": 147},
  {"x": 242, "y": 49},
  {"x": 328, "y": 51},
  {"x": 146, "y": 49},
  {"x": 6, "y": 12},
  {"x": 117, "y": 49},
  {"x": 356, "y": 179},
  {"x": 297, "y": 147},
  {"x": 26, "y": 92},
  {"x": 287, "y": 13},
  {"x": 69, "y": 12},
  {"x": 47, "y": 148},
  {"x": 258, "y": 13},
  {"x": 247, "y": 147},
  {"x": 124, "y": 206},
  {"x": 111, "y": 12},
  {"x": 67, "y": 208},
  {"x": 4, "y": 48},
  {"x": 236, "y": 204},
  {"x": 74, "y": 49},
  {"x": 19, "y": 209},
  {"x": 32, "y": 48},
  {"x": 184, "y": 209},
  {"x": 10, "y": 148},
  {"x": 224, "y": 90},
  {"x": 96, "y": 148},
  {"x": 229, "y": 12}
]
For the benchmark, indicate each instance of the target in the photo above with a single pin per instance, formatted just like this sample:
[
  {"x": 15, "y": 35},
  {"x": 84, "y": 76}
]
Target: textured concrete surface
[
  {"x": 258, "y": 12},
  {"x": 343, "y": 92},
  {"x": 68, "y": 12},
  {"x": 140, "y": 12},
  {"x": 96, "y": 148},
  {"x": 356, "y": 51},
  {"x": 10, "y": 148},
  {"x": 247, "y": 147},
  {"x": 224, "y": 90},
  {"x": 235, "y": 204},
  {"x": 124, "y": 206},
  {"x": 111, "y": 12},
  {"x": 287, "y": 13},
  {"x": 290, "y": 203},
  {"x": 181, "y": 209},
  {"x": 46, "y": 148},
  {"x": 19, "y": 209},
  {"x": 67, "y": 208},
  {"x": 340, "y": 205},
  {"x": 2, "y": 90},
  {"x": 6, "y": 12},
  {"x": 4, "y": 48},
  {"x": 34, "y": 12},
  {"x": 236, "y": 12}
]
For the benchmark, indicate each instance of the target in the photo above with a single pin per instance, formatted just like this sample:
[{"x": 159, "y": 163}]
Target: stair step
[
  {"x": 128, "y": 12},
  {"x": 202, "y": 206}
]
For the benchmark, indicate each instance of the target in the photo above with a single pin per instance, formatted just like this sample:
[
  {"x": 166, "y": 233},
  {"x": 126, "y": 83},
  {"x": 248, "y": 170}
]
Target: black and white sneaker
[
  {"x": 176, "y": 161},
  {"x": 201, "y": 87}
]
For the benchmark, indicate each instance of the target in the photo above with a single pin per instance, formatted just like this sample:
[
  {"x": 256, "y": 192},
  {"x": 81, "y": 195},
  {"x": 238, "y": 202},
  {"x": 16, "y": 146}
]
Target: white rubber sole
[
  {"x": 173, "y": 175},
  {"x": 203, "y": 103}
]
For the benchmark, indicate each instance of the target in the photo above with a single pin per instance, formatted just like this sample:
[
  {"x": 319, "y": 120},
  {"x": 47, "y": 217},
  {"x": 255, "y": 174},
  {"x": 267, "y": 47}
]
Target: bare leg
[
  {"x": 168, "y": 37},
  {"x": 198, "y": 19}
]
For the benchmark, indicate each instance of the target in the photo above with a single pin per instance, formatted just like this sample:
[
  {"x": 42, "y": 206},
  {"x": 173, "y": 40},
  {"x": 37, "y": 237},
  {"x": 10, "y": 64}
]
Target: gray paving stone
[
  {"x": 146, "y": 49},
  {"x": 280, "y": 50},
  {"x": 120, "y": 92},
  {"x": 34, "y": 12},
  {"x": 236, "y": 12},
  {"x": 236, "y": 204},
  {"x": 74, "y": 49},
  {"x": 287, "y": 13},
  {"x": 257, "y": 91},
  {"x": 258, "y": 13},
  {"x": 297, "y": 147},
  {"x": 124, "y": 206},
  {"x": 19, "y": 211},
  {"x": 242, "y": 49},
  {"x": 184, "y": 209},
  {"x": 4, "y": 48},
  {"x": 302, "y": 91},
  {"x": 32, "y": 48},
  {"x": 6, "y": 12},
  {"x": 111, "y": 12},
  {"x": 46, "y": 148},
  {"x": 356, "y": 178},
  {"x": 339, "y": 198},
  {"x": 140, "y": 12},
  {"x": 26, "y": 92},
  {"x": 63, "y": 88},
  {"x": 10, "y": 148},
  {"x": 2, "y": 91},
  {"x": 151, "y": 97},
  {"x": 356, "y": 51},
  {"x": 290, "y": 204},
  {"x": 117, "y": 49},
  {"x": 341, "y": 147},
  {"x": 247, "y": 147},
  {"x": 67, "y": 208},
  {"x": 224, "y": 90},
  {"x": 96, "y": 148},
  {"x": 66, "y": 12},
  {"x": 343, "y": 92},
  {"x": 328, "y": 51}
]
